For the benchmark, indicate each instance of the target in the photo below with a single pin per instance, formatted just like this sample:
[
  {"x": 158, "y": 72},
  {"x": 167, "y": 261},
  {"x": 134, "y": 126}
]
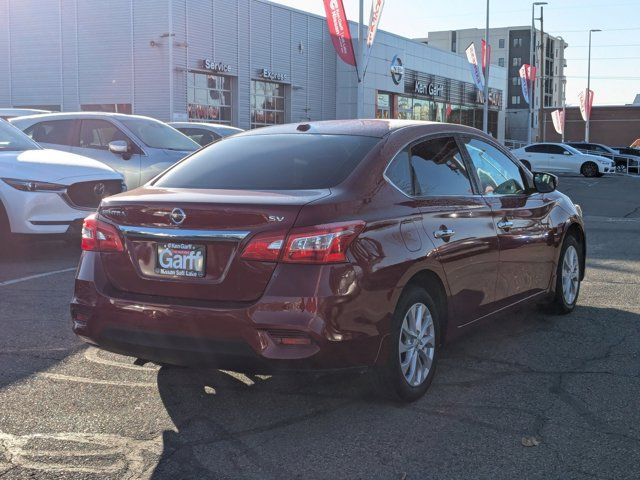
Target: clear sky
[{"x": 615, "y": 55}]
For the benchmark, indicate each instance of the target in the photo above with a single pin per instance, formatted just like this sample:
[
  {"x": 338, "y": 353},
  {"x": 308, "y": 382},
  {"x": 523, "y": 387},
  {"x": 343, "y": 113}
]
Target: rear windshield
[{"x": 271, "y": 162}]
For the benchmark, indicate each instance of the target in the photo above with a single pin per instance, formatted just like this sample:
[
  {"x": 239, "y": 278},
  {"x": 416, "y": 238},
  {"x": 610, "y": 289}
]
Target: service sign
[{"x": 219, "y": 67}]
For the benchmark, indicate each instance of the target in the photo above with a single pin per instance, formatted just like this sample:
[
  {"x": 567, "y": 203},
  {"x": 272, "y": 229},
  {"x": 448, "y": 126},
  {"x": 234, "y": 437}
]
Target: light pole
[
  {"x": 587, "y": 93},
  {"x": 485, "y": 110},
  {"x": 531, "y": 50}
]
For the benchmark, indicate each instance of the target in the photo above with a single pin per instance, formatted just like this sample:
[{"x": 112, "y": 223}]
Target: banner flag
[
  {"x": 527, "y": 81},
  {"x": 558, "y": 120},
  {"x": 524, "y": 81},
  {"x": 586, "y": 104},
  {"x": 476, "y": 74},
  {"x": 486, "y": 56},
  {"x": 339, "y": 30},
  {"x": 374, "y": 21}
]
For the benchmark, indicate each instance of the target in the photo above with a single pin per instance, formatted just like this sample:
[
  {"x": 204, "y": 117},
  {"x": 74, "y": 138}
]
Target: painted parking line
[{"x": 33, "y": 277}]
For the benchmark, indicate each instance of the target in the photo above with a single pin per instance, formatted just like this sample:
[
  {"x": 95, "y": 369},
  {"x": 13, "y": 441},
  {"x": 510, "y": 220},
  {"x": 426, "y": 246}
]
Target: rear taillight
[
  {"x": 265, "y": 247},
  {"x": 99, "y": 236},
  {"x": 319, "y": 244}
]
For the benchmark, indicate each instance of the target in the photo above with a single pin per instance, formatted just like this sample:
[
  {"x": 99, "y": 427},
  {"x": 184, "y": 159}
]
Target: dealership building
[{"x": 246, "y": 63}]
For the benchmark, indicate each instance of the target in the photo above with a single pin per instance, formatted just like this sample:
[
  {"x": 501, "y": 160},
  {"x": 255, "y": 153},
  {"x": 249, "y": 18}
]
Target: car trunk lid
[{"x": 216, "y": 223}]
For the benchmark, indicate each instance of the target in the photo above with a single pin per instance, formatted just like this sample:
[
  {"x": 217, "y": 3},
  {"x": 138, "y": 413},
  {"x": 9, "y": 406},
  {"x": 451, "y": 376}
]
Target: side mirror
[
  {"x": 566, "y": 152},
  {"x": 545, "y": 182},
  {"x": 120, "y": 147}
]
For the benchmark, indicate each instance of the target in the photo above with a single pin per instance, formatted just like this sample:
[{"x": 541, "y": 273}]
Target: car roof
[
  {"x": 205, "y": 125},
  {"x": 363, "y": 127},
  {"x": 21, "y": 111},
  {"x": 76, "y": 115}
]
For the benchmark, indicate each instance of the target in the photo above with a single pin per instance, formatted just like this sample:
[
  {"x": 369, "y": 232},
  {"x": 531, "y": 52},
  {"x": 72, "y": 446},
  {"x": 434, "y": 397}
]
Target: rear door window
[
  {"x": 56, "y": 132},
  {"x": 97, "y": 134},
  {"x": 438, "y": 168},
  {"x": 271, "y": 162}
]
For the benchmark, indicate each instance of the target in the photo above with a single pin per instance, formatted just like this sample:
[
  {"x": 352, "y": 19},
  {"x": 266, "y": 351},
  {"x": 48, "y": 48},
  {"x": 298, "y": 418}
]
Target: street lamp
[
  {"x": 531, "y": 47},
  {"x": 587, "y": 93}
]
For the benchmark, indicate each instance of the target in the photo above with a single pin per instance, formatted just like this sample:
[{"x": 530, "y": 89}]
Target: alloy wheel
[
  {"x": 570, "y": 274},
  {"x": 417, "y": 344}
]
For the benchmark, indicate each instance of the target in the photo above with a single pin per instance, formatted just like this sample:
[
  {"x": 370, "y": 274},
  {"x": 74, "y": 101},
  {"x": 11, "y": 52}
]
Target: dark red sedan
[{"x": 358, "y": 243}]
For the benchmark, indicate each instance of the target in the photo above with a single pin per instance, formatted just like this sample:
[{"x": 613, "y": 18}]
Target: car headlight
[{"x": 34, "y": 185}]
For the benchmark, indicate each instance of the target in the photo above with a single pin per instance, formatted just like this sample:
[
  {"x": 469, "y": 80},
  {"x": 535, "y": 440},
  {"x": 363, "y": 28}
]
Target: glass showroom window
[
  {"x": 267, "y": 103},
  {"x": 383, "y": 105},
  {"x": 209, "y": 98}
]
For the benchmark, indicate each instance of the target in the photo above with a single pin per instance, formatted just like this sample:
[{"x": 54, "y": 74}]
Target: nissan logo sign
[
  {"x": 397, "y": 70},
  {"x": 177, "y": 216}
]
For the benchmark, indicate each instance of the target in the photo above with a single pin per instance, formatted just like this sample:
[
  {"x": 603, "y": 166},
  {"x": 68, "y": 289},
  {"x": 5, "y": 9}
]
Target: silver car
[
  {"x": 205, "y": 133},
  {"x": 137, "y": 147}
]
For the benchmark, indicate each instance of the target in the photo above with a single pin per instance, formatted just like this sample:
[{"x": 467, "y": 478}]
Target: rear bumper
[{"x": 330, "y": 330}]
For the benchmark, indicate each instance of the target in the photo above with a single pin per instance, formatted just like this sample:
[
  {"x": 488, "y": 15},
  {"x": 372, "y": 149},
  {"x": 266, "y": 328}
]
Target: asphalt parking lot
[{"x": 531, "y": 395}]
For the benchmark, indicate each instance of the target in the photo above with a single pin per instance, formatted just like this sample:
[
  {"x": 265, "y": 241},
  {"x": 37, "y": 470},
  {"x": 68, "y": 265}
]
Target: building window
[
  {"x": 501, "y": 62},
  {"x": 501, "y": 43},
  {"x": 517, "y": 42},
  {"x": 517, "y": 61},
  {"x": 209, "y": 98},
  {"x": 454, "y": 42},
  {"x": 515, "y": 81},
  {"x": 515, "y": 100},
  {"x": 107, "y": 107},
  {"x": 383, "y": 105},
  {"x": 267, "y": 103}
]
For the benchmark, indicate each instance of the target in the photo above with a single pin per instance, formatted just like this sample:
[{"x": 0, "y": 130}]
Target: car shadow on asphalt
[{"x": 227, "y": 422}]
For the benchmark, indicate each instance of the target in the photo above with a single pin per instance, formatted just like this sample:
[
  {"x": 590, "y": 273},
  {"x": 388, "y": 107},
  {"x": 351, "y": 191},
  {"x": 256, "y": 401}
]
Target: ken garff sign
[
  {"x": 397, "y": 70},
  {"x": 431, "y": 89}
]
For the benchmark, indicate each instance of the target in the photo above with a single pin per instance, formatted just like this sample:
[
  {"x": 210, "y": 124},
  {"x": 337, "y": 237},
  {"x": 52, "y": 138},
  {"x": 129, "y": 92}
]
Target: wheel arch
[
  {"x": 431, "y": 281},
  {"x": 4, "y": 217}
]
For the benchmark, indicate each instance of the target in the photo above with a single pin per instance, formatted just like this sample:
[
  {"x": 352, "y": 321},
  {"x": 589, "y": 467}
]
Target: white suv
[
  {"x": 562, "y": 158},
  {"x": 47, "y": 191}
]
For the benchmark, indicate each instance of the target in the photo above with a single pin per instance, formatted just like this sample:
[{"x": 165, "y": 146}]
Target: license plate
[{"x": 180, "y": 260}]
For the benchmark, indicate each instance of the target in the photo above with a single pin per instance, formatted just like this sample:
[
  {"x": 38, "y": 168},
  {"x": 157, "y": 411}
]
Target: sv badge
[{"x": 275, "y": 218}]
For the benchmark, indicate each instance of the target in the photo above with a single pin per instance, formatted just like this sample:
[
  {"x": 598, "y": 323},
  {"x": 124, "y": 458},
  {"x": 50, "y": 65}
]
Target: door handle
[
  {"x": 444, "y": 234},
  {"x": 505, "y": 224}
]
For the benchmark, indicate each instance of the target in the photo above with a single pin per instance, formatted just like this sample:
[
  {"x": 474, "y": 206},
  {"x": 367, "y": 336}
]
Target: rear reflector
[
  {"x": 320, "y": 244},
  {"x": 99, "y": 236}
]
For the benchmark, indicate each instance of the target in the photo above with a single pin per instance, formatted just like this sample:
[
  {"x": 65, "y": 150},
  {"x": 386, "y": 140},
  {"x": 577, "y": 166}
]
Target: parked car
[
  {"x": 7, "y": 113},
  {"x": 562, "y": 158},
  {"x": 620, "y": 160},
  {"x": 326, "y": 245},
  {"x": 633, "y": 158},
  {"x": 138, "y": 147},
  {"x": 47, "y": 191},
  {"x": 205, "y": 133}
]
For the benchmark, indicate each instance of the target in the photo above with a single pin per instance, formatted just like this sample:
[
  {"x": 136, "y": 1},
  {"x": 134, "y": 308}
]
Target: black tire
[
  {"x": 589, "y": 169},
  {"x": 389, "y": 378},
  {"x": 560, "y": 304},
  {"x": 526, "y": 164}
]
